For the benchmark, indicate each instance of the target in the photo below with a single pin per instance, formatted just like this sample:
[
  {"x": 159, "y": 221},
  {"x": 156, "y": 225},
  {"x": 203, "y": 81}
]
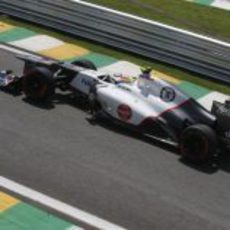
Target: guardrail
[{"x": 208, "y": 57}]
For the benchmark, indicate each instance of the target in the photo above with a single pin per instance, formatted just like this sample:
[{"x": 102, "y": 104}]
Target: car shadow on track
[
  {"x": 119, "y": 129},
  {"x": 51, "y": 104},
  {"x": 220, "y": 161},
  {"x": 40, "y": 105}
]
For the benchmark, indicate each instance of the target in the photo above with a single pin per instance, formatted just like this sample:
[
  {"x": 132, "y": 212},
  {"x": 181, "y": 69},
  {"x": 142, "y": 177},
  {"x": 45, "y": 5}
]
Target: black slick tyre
[
  {"x": 85, "y": 64},
  {"x": 198, "y": 143},
  {"x": 38, "y": 84}
]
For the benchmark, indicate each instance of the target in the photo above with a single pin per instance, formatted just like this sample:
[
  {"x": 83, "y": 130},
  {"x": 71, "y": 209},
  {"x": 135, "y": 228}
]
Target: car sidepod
[
  {"x": 123, "y": 105},
  {"x": 186, "y": 114}
]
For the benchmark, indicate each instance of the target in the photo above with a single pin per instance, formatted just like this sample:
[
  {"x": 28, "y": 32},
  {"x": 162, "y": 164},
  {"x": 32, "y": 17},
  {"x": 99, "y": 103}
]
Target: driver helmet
[
  {"x": 146, "y": 69},
  {"x": 146, "y": 72},
  {"x": 120, "y": 78}
]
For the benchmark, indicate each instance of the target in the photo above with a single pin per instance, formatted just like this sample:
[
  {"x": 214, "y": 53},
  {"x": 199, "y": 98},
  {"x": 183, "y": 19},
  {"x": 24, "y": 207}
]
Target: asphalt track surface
[{"x": 131, "y": 181}]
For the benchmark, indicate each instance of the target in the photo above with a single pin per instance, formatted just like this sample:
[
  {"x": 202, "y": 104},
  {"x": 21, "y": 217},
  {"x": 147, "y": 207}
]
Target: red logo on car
[{"x": 124, "y": 112}]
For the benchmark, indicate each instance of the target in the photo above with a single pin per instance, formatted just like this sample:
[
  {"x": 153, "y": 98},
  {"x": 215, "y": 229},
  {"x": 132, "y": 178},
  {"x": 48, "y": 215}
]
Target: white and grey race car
[{"x": 148, "y": 105}]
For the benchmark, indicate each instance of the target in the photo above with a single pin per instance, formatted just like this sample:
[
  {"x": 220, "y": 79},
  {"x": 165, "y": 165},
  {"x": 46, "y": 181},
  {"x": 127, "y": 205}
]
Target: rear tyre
[
  {"x": 198, "y": 143},
  {"x": 39, "y": 85},
  {"x": 85, "y": 64}
]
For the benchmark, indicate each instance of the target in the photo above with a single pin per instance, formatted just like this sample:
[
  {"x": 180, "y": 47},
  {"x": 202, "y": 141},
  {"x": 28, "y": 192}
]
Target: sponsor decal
[
  {"x": 86, "y": 82},
  {"x": 167, "y": 94},
  {"x": 124, "y": 112}
]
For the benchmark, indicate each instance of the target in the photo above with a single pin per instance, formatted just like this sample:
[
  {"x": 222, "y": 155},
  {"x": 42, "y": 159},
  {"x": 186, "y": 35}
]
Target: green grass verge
[
  {"x": 195, "y": 17},
  {"x": 167, "y": 69}
]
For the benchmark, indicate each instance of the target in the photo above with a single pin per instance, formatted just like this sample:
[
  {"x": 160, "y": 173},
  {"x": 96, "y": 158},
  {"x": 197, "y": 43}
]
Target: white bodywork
[
  {"x": 130, "y": 100},
  {"x": 6, "y": 79}
]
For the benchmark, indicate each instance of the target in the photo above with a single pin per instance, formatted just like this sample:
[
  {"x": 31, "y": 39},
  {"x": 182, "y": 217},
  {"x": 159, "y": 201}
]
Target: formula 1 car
[{"x": 151, "y": 106}]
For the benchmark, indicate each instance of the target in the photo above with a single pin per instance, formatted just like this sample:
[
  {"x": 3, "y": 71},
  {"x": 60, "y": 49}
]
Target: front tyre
[
  {"x": 38, "y": 84},
  {"x": 85, "y": 64},
  {"x": 198, "y": 143}
]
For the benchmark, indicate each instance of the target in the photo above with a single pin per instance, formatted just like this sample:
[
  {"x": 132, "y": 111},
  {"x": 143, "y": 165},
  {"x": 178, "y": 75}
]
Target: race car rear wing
[{"x": 52, "y": 64}]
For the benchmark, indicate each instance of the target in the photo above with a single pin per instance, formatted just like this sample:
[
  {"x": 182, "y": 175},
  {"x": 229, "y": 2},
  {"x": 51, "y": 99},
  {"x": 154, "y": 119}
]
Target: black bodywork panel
[
  {"x": 222, "y": 113},
  {"x": 172, "y": 123}
]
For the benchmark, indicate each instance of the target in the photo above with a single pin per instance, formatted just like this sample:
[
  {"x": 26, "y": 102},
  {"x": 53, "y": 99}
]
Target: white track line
[{"x": 59, "y": 206}]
